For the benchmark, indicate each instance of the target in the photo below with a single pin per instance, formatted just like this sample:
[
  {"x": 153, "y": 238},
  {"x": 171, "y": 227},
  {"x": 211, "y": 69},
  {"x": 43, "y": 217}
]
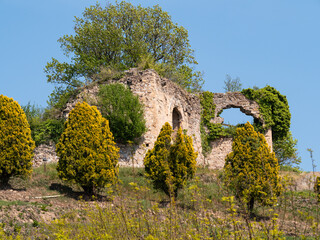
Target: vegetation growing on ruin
[
  {"x": 16, "y": 144},
  {"x": 211, "y": 131},
  {"x": 274, "y": 109},
  {"x": 87, "y": 153},
  {"x": 113, "y": 38},
  {"x": 123, "y": 110},
  {"x": 170, "y": 165}
]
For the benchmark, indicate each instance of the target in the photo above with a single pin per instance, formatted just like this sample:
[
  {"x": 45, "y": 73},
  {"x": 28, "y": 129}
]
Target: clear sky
[{"x": 262, "y": 42}]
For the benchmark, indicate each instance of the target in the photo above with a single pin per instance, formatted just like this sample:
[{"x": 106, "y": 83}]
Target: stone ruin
[
  {"x": 165, "y": 101},
  {"x": 44, "y": 151}
]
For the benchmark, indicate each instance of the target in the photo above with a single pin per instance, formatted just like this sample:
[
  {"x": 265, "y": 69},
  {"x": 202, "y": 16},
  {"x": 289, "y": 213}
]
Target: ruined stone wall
[
  {"x": 44, "y": 151},
  {"x": 164, "y": 101},
  {"x": 223, "y": 146},
  {"x": 220, "y": 149},
  {"x": 236, "y": 100},
  {"x": 161, "y": 99}
]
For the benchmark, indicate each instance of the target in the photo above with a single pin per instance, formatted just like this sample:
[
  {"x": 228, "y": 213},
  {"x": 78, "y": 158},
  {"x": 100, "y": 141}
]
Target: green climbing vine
[
  {"x": 210, "y": 131},
  {"x": 274, "y": 109}
]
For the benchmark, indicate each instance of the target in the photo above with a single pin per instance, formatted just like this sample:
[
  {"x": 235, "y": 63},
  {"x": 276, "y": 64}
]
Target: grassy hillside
[{"x": 44, "y": 207}]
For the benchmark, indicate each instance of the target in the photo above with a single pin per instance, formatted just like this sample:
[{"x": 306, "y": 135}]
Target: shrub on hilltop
[
  {"x": 16, "y": 144},
  {"x": 251, "y": 169},
  {"x": 168, "y": 165},
  {"x": 87, "y": 153}
]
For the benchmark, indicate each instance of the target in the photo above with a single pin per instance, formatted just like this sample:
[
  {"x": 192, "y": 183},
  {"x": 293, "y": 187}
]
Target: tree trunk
[
  {"x": 89, "y": 190},
  {"x": 251, "y": 204},
  {"x": 4, "y": 181}
]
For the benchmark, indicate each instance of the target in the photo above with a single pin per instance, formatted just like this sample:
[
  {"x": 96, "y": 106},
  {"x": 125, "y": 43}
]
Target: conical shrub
[
  {"x": 168, "y": 165},
  {"x": 16, "y": 144},
  {"x": 251, "y": 169},
  {"x": 87, "y": 153}
]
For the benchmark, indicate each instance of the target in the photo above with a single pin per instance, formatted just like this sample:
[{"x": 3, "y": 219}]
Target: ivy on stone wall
[
  {"x": 207, "y": 112},
  {"x": 274, "y": 109},
  {"x": 209, "y": 131}
]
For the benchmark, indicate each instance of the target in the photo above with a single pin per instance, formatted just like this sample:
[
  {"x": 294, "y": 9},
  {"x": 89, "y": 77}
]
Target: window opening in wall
[
  {"x": 176, "y": 119},
  {"x": 233, "y": 116}
]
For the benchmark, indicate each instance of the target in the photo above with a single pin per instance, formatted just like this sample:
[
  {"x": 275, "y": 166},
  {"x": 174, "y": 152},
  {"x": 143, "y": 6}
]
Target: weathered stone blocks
[{"x": 164, "y": 101}]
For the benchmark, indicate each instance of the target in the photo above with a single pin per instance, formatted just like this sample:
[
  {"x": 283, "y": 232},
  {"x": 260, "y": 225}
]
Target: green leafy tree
[
  {"x": 251, "y": 169},
  {"x": 286, "y": 151},
  {"x": 33, "y": 113},
  {"x": 232, "y": 85},
  {"x": 123, "y": 110},
  {"x": 48, "y": 131},
  {"x": 171, "y": 165},
  {"x": 123, "y": 36},
  {"x": 44, "y": 129},
  {"x": 16, "y": 144},
  {"x": 59, "y": 98},
  {"x": 87, "y": 153}
]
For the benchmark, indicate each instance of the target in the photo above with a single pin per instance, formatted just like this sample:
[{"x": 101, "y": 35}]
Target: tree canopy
[
  {"x": 123, "y": 36},
  {"x": 286, "y": 151},
  {"x": 232, "y": 85}
]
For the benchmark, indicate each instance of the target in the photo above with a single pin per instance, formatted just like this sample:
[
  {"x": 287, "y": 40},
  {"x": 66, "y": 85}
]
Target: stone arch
[
  {"x": 223, "y": 146},
  {"x": 176, "y": 118},
  {"x": 237, "y": 100},
  {"x": 233, "y": 116}
]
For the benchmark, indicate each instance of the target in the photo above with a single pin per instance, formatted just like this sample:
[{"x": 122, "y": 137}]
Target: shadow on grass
[
  {"x": 77, "y": 195},
  {"x": 10, "y": 187},
  {"x": 259, "y": 217}
]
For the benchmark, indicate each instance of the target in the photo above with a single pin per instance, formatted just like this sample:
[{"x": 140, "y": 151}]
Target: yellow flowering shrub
[
  {"x": 171, "y": 165},
  {"x": 87, "y": 153},
  {"x": 16, "y": 144},
  {"x": 251, "y": 169},
  {"x": 317, "y": 188}
]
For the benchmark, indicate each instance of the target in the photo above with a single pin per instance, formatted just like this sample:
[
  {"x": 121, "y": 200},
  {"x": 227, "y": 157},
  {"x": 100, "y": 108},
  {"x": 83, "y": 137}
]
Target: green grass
[
  {"x": 134, "y": 210},
  {"x": 14, "y": 203}
]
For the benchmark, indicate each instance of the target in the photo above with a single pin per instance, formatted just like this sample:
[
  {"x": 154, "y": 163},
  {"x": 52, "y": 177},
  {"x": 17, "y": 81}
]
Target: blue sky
[{"x": 262, "y": 42}]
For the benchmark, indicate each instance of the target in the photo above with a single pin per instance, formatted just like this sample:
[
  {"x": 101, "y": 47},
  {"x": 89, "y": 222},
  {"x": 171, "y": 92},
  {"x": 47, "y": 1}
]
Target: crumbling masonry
[{"x": 165, "y": 101}]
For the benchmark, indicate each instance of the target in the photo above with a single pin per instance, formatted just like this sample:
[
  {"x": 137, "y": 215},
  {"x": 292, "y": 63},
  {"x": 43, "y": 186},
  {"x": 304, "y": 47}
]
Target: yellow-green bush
[
  {"x": 251, "y": 169},
  {"x": 317, "y": 188},
  {"x": 16, "y": 144},
  {"x": 170, "y": 165},
  {"x": 87, "y": 153}
]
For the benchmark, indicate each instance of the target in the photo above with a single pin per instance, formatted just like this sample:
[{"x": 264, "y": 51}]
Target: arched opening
[
  {"x": 176, "y": 119},
  {"x": 234, "y": 117}
]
